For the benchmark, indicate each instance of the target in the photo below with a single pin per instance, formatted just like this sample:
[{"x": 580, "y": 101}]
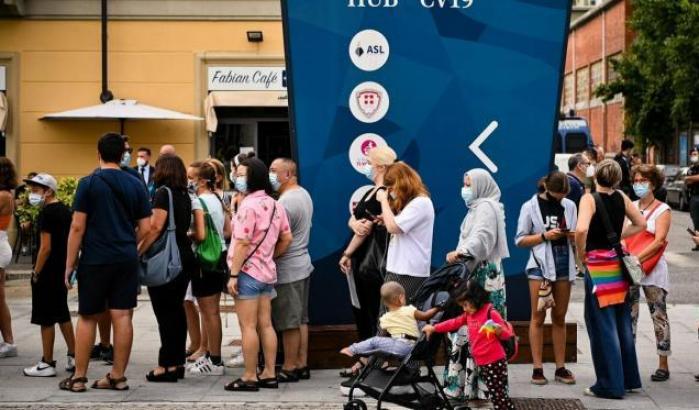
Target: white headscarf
[{"x": 486, "y": 194}]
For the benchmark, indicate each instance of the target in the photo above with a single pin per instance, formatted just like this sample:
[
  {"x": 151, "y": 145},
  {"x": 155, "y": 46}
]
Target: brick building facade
[{"x": 598, "y": 37}]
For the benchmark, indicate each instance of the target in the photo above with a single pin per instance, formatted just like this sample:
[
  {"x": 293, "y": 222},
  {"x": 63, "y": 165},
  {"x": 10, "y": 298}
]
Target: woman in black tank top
[{"x": 607, "y": 309}]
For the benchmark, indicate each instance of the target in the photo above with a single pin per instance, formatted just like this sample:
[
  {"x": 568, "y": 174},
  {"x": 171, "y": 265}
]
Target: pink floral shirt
[{"x": 249, "y": 224}]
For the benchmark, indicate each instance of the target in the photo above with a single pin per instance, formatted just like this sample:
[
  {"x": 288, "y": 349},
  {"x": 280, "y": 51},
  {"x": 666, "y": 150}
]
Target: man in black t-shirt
[
  {"x": 111, "y": 216},
  {"x": 623, "y": 158},
  {"x": 49, "y": 294},
  {"x": 692, "y": 182}
]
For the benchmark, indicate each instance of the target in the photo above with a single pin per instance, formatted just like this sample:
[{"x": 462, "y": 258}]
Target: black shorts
[
  {"x": 50, "y": 299},
  {"x": 102, "y": 287},
  {"x": 209, "y": 283}
]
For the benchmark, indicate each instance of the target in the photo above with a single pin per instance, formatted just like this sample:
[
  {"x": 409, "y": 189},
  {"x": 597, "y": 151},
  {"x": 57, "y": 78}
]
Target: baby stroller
[{"x": 406, "y": 385}]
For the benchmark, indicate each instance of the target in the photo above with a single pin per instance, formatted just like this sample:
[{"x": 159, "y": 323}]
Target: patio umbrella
[{"x": 121, "y": 110}]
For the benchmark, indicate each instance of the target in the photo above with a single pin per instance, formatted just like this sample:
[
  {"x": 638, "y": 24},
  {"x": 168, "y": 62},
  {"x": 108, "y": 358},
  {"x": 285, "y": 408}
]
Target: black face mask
[{"x": 552, "y": 198}]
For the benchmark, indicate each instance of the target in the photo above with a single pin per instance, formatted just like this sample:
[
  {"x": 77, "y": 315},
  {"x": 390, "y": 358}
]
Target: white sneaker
[
  {"x": 70, "y": 364},
  {"x": 236, "y": 362},
  {"x": 206, "y": 368},
  {"x": 41, "y": 369},
  {"x": 236, "y": 351},
  {"x": 198, "y": 362},
  {"x": 8, "y": 350}
]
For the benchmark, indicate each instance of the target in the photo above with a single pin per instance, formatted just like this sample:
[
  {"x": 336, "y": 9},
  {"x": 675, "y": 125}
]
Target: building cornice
[{"x": 594, "y": 12}]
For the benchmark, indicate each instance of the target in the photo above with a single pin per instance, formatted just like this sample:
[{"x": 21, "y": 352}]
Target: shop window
[{"x": 583, "y": 85}]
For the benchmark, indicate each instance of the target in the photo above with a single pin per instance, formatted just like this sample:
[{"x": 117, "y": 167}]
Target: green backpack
[{"x": 209, "y": 250}]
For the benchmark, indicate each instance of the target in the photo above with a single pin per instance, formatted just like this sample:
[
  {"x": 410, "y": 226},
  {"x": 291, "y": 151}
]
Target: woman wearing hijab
[{"x": 482, "y": 238}]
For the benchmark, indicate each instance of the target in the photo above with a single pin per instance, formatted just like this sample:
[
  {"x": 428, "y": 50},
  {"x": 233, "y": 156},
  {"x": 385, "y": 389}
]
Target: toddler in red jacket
[{"x": 485, "y": 330}]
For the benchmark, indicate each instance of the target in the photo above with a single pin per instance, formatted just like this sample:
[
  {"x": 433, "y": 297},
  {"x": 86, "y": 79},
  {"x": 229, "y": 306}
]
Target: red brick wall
[
  {"x": 615, "y": 126},
  {"x": 588, "y": 43},
  {"x": 616, "y": 28},
  {"x": 595, "y": 118}
]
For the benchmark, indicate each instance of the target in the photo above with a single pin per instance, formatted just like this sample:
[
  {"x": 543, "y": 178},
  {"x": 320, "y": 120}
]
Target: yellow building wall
[{"x": 153, "y": 62}]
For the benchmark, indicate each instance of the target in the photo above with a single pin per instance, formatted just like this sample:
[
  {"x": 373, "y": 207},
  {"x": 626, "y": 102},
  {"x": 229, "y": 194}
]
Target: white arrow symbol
[{"x": 475, "y": 146}]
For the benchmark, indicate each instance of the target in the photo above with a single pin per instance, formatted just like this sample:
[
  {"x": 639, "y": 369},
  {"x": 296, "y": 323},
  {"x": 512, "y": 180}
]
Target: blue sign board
[{"x": 450, "y": 85}]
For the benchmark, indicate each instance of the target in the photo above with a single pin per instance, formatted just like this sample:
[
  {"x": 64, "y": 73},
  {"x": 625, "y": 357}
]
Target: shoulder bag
[
  {"x": 161, "y": 264},
  {"x": 209, "y": 251},
  {"x": 629, "y": 263},
  {"x": 639, "y": 242}
]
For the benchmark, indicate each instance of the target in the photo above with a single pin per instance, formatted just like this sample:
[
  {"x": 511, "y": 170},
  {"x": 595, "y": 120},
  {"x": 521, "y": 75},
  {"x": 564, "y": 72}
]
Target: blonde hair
[
  {"x": 220, "y": 172},
  {"x": 390, "y": 292},
  {"x": 608, "y": 173},
  {"x": 382, "y": 155}
]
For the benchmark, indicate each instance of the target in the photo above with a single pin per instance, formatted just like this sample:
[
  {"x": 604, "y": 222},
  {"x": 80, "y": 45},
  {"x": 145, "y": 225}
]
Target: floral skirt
[{"x": 462, "y": 380}]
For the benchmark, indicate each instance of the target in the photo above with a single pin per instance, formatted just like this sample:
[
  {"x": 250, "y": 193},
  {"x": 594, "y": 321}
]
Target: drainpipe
[{"x": 106, "y": 95}]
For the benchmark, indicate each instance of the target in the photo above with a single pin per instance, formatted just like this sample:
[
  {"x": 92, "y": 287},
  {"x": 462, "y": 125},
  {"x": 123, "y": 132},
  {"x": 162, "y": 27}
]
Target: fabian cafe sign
[{"x": 247, "y": 79}]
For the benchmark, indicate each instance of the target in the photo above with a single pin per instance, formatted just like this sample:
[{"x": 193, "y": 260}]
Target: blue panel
[{"x": 450, "y": 73}]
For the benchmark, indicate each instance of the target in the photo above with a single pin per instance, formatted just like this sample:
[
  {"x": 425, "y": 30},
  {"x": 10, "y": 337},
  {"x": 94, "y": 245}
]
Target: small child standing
[
  {"x": 400, "y": 322},
  {"x": 49, "y": 291},
  {"x": 485, "y": 330}
]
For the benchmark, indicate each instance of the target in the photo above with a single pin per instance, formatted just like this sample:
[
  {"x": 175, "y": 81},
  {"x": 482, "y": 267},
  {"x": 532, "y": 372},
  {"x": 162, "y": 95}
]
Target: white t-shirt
[
  {"x": 410, "y": 252},
  {"x": 659, "y": 277},
  {"x": 213, "y": 203}
]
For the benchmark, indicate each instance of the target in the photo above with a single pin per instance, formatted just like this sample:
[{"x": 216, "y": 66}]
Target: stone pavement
[{"x": 17, "y": 391}]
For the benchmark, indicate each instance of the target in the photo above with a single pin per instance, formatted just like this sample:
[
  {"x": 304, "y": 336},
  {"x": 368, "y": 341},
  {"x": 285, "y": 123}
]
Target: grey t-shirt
[{"x": 295, "y": 264}]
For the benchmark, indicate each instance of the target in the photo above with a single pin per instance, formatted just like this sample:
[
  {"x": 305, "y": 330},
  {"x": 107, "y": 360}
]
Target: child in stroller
[
  {"x": 400, "y": 322},
  {"x": 486, "y": 330}
]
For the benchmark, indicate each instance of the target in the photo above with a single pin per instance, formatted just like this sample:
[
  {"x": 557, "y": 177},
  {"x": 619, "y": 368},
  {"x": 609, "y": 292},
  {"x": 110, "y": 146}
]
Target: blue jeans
[
  {"x": 378, "y": 344},
  {"x": 612, "y": 346}
]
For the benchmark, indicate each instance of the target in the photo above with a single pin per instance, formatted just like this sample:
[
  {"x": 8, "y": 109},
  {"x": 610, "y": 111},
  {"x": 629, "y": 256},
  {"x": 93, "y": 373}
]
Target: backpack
[
  {"x": 209, "y": 250},
  {"x": 510, "y": 345}
]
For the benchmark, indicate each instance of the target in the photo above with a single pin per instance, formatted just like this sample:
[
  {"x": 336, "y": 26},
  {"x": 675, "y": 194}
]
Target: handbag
[
  {"x": 161, "y": 263},
  {"x": 546, "y": 300},
  {"x": 511, "y": 344},
  {"x": 629, "y": 263},
  {"x": 639, "y": 242},
  {"x": 374, "y": 258},
  {"x": 210, "y": 249}
]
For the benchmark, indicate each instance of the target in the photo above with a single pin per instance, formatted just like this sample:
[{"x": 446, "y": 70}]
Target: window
[
  {"x": 585, "y": 3},
  {"x": 596, "y": 75},
  {"x": 568, "y": 91},
  {"x": 612, "y": 74},
  {"x": 583, "y": 85}
]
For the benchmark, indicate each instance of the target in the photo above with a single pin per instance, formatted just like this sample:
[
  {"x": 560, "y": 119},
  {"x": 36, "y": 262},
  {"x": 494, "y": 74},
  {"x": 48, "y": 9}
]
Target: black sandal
[
  {"x": 69, "y": 384},
  {"x": 660, "y": 375},
  {"x": 242, "y": 385},
  {"x": 271, "y": 383},
  {"x": 288, "y": 376},
  {"x": 112, "y": 383},
  {"x": 165, "y": 377},
  {"x": 304, "y": 373}
]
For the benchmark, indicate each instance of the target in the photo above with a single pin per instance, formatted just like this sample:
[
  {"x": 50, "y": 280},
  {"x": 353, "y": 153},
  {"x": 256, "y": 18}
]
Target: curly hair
[
  {"x": 649, "y": 172},
  {"x": 8, "y": 175}
]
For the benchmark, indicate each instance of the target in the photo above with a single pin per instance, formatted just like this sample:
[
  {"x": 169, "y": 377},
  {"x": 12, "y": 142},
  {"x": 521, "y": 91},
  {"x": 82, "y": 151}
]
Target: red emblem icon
[{"x": 369, "y": 102}]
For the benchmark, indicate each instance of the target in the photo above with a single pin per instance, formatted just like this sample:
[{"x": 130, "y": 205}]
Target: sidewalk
[{"x": 17, "y": 391}]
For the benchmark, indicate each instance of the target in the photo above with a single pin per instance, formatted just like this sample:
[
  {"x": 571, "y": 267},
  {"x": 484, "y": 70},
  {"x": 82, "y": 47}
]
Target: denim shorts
[
  {"x": 561, "y": 260},
  {"x": 251, "y": 288}
]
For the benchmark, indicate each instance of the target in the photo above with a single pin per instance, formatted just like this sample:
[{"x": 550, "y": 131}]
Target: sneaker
[
  {"x": 8, "y": 350},
  {"x": 346, "y": 386},
  {"x": 564, "y": 376},
  {"x": 70, "y": 364},
  {"x": 199, "y": 361},
  {"x": 96, "y": 352},
  {"x": 236, "y": 351},
  {"x": 107, "y": 354},
  {"x": 588, "y": 392},
  {"x": 538, "y": 377},
  {"x": 41, "y": 369},
  {"x": 236, "y": 362},
  {"x": 206, "y": 368}
]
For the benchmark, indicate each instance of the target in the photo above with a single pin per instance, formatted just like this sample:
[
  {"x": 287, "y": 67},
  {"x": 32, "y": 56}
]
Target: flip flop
[
  {"x": 242, "y": 386},
  {"x": 113, "y": 383},
  {"x": 69, "y": 384}
]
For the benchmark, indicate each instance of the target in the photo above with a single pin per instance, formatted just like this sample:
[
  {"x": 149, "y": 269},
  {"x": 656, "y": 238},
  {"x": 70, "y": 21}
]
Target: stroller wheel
[{"x": 355, "y": 405}]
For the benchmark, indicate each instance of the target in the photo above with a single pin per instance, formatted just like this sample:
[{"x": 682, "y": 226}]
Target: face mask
[
  {"x": 192, "y": 187},
  {"x": 35, "y": 199},
  {"x": 467, "y": 194},
  {"x": 241, "y": 184},
  {"x": 274, "y": 180},
  {"x": 641, "y": 189},
  {"x": 694, "y": 159},
  {"x": 368, "y": 171},
  {"x": 141, "y": 162},
  {"x": 590, "y": 171},
  {"x": 126, "y": 159}
]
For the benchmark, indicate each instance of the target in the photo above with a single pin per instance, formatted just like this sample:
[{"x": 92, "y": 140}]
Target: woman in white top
[
  {"x": 646, "y": 179},
  {"x": 408, "y": 214},
  {"x": 483, "y": 238}
]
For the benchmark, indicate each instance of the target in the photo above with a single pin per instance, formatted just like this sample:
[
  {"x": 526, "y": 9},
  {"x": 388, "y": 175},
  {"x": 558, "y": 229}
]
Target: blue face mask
[
  {"x": 241, "y": 184},
  {"x": 126, "y": 159},
  {"x": 368, "y": 171},
  {"x": 467, "y": 194},
  {"x": 641, "y": 189},
  {"x": 274, "y": 180}
]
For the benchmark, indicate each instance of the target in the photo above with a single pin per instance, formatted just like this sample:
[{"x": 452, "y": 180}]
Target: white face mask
[
  {"x": 35, "y": 199},
  {"x": 694, "y": 159},
  {"x": 590, "y": 172},
  {"x": 141, "y": 162}
]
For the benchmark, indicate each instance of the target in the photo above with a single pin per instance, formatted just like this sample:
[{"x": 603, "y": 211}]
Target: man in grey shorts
[{"x": 290, "y": 307}]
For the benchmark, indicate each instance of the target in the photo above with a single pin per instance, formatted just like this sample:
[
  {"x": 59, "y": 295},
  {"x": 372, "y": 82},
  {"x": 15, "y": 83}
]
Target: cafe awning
[{"x": 240, "y": 99}]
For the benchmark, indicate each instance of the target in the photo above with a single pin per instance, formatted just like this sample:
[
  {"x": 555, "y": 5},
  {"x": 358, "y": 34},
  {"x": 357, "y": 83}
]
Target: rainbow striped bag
[{"x": 608, "y": 282}]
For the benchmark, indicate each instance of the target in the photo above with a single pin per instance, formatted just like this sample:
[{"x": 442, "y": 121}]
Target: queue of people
[{"x": 253, "y": 244}]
